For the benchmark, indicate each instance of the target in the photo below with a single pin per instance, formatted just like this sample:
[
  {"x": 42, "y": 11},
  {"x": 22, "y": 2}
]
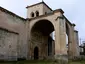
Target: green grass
[
  {"x": 30, "y": 62},
  {"x": 77, "y": 62},
  {"x": 41, "y": 62}
]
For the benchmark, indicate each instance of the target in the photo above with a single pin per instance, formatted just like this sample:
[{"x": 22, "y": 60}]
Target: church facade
[{"x": 32, "y": 38}]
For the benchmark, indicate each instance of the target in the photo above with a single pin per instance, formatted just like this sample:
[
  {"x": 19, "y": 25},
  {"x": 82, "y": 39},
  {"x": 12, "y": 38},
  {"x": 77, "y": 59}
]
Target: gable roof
[{"x": 40, "y": 3}]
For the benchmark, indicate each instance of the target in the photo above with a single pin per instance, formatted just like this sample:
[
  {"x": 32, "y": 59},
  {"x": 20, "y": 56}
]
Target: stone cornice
[
  {"x": 60, "y": 17},
  {"x": 76, "y": 31},
  {"x": 73, "y": 25},
  {"x": 58, "y": 10}
]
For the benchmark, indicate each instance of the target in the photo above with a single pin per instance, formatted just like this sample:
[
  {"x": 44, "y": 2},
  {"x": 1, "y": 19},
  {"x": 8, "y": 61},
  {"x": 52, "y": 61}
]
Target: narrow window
[
  {"x": 32, "y": 14},
  {"x": 37, "y": 13}
]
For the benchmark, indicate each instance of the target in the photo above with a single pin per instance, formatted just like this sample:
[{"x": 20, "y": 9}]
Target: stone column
[
  {"x": 28, "y": 39},
  {"x": 60, "y": 38},
  {"x": 71, "y": 42},
  {"x": 76, "y": 44}
]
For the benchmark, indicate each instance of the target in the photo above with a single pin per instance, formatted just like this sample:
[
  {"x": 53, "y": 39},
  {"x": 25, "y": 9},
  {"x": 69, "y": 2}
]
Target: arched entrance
[
  {"x": 36, "y": 53},
  {"x": 41, "y": 37}
]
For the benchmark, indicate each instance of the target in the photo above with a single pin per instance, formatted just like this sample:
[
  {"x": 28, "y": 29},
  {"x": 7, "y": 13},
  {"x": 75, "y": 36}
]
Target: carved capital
[{"x": 59, "y": 17}]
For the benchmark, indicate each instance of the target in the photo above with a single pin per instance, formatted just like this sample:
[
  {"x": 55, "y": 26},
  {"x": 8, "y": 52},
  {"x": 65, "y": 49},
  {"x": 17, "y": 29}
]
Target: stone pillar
[
  {"x": 70, "y": 41},
  {"x": 60, "y": 38},
  {"x": 71, "y": 46},
  {"x": 76, "y": 44},
  {"x": 28, "y": 33}
]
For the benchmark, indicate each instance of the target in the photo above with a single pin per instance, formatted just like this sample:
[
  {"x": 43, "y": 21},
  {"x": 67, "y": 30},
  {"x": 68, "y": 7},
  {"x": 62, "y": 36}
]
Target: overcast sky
[{"x": 74, "y": 10}]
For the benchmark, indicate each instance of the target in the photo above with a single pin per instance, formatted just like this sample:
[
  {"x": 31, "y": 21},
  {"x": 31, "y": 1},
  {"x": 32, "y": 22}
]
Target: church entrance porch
[{"x": 41, "y": 46}]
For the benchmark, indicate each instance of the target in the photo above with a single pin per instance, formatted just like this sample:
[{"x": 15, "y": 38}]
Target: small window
[
  {"x": 32, "y": 14},
  {"x": 37, "y": 13}
]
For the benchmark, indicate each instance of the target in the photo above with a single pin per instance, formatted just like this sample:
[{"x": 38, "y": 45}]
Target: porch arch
[{"x": 40, "y": 33}]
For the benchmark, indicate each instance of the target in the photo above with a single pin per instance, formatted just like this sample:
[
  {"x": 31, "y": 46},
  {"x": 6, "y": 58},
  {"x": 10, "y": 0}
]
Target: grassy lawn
[
  {"x": 76, "y": 62},
  {"x": 41, "y": 62},
  {"x": 30, "y": 62}
]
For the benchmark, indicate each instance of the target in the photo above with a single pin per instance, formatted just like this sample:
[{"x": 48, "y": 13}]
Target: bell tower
[{"x": 38, "y": 9}]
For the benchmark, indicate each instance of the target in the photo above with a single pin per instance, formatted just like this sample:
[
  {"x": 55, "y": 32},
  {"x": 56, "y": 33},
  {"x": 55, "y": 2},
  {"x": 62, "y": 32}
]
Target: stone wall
[
  {"x": 8, "y": 44},
  {"x": 41, "y": 42},
  {"x": 13, "y": 23},
  {"x": 46, "y": 10}
]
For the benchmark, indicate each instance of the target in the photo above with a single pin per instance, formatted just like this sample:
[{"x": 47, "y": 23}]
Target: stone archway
[{"x": 40, "y": 33}]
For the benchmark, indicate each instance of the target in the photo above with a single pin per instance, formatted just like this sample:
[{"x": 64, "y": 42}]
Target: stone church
[{"x": 32, "y": 38}]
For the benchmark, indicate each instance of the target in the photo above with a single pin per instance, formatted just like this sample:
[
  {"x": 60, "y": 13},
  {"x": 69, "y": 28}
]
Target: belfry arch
[{"x": 41, "y": 36}]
